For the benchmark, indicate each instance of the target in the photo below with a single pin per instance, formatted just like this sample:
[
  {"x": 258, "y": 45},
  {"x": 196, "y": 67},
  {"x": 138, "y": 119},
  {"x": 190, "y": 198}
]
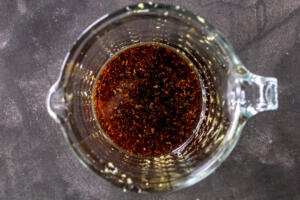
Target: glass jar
[{"x": 231, "y": 95}]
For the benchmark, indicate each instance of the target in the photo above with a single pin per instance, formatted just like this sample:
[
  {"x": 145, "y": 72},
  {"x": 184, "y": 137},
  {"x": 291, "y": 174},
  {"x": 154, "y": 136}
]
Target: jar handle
[{"x": 258, "y": 94}]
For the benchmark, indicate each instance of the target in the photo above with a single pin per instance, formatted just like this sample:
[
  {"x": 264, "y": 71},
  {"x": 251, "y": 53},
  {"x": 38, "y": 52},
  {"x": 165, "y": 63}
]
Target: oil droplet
[
  {"x": 141, "y": 5},
  {"x": 200, "y": 19},
  {"x": 129, "y": 181}
]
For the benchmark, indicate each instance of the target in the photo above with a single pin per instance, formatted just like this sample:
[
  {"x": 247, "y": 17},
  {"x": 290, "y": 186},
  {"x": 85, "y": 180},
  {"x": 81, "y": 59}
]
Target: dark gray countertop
[{"x": 35, "y": 161}]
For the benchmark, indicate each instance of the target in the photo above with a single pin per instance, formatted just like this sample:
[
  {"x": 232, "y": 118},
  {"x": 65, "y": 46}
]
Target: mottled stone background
[{"x": 35, "y": 161}]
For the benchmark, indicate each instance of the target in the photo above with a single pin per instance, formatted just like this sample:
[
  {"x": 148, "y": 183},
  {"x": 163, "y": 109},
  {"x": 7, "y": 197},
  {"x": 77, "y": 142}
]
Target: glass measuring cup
[{"x": 230, "y": 94}]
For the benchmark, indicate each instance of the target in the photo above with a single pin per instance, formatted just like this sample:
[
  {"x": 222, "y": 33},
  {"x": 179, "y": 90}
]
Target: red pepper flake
[{"x": 147, "y": 99}]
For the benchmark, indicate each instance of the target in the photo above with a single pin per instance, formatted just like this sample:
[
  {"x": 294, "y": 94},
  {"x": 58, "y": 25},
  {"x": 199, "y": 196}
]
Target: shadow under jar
[{"x": 229, "y": 95}]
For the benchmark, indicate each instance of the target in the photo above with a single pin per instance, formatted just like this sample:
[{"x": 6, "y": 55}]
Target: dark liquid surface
[{"x": 147, "y": 99}]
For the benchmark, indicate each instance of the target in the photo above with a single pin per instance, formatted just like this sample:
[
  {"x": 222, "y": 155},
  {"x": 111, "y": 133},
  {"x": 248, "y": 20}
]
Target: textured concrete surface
[{"x": 35, "y": 161}]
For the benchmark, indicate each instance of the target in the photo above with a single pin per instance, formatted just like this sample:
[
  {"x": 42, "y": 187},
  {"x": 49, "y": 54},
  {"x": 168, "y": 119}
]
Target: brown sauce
[{"x": 147, "y": 99}]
